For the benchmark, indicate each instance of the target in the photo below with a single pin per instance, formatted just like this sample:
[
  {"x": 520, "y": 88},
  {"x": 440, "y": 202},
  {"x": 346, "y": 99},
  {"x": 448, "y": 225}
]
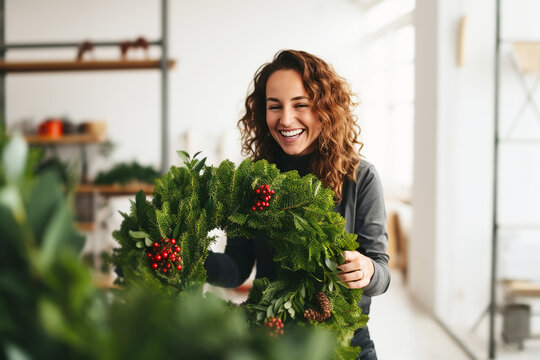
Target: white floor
[
  {"x": 530, "y": 352},
  {"x": 401, "y": 330}
]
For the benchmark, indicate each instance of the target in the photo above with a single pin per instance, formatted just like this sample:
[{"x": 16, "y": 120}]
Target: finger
[
  {"x": 351, "y": 276},
  {"x": 350, "y": 266},
  {"x": 350, "y": 255},
  {"x": 360, "y": 284}
]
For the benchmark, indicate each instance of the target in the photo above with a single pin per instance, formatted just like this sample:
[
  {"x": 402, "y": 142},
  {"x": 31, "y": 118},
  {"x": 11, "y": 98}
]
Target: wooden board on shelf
[
  {"x": 104, "y": 281},
  {"x": 64, "y": 139},
  {"x": 528, "y": 56},
  {"x": 522, "y": 288},
  {"x": 86, "y": 226},
  {"x": 115, "y": 190},
  {"x": 85, "y": 65}
]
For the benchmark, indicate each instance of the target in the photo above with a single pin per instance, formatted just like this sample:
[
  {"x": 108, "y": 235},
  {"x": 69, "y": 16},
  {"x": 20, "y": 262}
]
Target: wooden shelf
[
  {"x": 522, "y": 288},
  {"x": 85, "y": 65},
  {"x": 64, "y": 139},
  {"x": 104, "y": 281},
  {"x": 86, "y": 226},
  {"x": 115, "y": 190}
]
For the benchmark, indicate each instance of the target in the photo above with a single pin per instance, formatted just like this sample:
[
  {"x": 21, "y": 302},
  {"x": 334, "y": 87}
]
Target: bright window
[{"x": 387, "y": 92}]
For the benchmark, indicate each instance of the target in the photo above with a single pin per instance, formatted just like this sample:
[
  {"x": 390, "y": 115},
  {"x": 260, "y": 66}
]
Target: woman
[{"x": 299, "y": 116}]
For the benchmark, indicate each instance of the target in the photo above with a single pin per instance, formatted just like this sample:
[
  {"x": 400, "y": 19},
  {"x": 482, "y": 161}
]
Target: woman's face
[{"x": 289, "y": 113}]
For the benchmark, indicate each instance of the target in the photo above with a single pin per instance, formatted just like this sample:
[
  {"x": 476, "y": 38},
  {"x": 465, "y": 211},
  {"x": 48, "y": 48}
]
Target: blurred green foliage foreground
[{"x": 50, "y": 309}]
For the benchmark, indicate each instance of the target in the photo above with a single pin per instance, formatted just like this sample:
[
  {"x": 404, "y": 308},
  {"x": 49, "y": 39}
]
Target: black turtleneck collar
[{"x": 285, "y": 162}]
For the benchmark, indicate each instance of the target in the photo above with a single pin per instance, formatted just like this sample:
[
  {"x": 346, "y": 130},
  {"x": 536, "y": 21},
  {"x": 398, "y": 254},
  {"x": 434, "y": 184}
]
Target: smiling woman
[{"x": 299, "y": 116}]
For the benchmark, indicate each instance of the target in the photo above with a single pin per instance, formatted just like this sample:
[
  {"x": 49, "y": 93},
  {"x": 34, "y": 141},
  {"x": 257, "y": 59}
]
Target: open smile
[{"x": 291, "y": 134}]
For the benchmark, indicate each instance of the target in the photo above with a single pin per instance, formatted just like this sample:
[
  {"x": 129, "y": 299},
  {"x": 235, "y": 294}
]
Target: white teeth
[{"x": 291, "y": 133}]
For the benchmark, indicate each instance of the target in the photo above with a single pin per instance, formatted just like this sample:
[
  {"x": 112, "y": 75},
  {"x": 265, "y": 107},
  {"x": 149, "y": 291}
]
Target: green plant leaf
[
  {"x": 287, "y": 305},
  {"x": 140, "y": 200},
  {"x": 8, "y": 231},
  {"x": 183, "y": 155},
  {"x": 138, "y": 234},
  {"x": 57, "y": 233},
  {"x": 51, "y": 316},
  {"x": 140, "y": 197},
  {"x": 148, "y": 241},
  {"x": 11, "y": 198},
  {"x": 14, "y": 158},
  {"x": 139, "y": 244},
  {"x": 300, "y": 222},
  {"x": 331, "y": 264},
  {"x": 297, "y": 306},
  {"x": 15, "y": 353},
  {"x": 317, "y": 188},
  {"x": 238, "y": 218},
  {"x": 294, "y": 306},
  {"x": 258, "y": 307},
  {"x": 278, "y": 305},
  {"x": 133, "y": 206},
  {"x": 176, "y": 231},
  {"x": 199, "y": 166},
  {"x": 269, "y": 312},
  {"x": 197, "y": 153},
  {"x": 291, "y": 312}
]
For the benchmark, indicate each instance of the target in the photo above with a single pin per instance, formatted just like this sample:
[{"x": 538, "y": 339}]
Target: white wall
[
  {"x": 453, "y": 158},
  {"x": 422, "y": 247},
  {"x": 465, "y": 119},
  {"x": 218, "y": 46},
  {"x": 452, "y": 193}
]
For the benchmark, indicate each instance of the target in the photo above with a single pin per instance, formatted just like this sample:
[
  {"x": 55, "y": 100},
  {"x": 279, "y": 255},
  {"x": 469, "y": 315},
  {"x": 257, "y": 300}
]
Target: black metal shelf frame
[{"x": 499, "y": 141}]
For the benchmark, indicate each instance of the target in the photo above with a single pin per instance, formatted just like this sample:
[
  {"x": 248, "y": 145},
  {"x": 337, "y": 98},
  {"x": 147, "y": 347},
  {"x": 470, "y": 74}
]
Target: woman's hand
[{"x": 357, "y": 270}]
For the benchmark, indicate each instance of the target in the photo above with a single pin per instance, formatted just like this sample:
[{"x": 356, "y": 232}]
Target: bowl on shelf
[
  {"x": 96, "y": 128},
  {"x": 51, "y": 128}
]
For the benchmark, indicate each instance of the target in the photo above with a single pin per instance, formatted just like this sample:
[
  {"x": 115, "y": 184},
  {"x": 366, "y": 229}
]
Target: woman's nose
[{"x": 287, "y": 117}]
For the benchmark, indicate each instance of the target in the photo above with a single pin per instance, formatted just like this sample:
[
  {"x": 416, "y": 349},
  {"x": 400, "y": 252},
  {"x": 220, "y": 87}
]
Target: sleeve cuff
[{"x": 379, "y": 281}]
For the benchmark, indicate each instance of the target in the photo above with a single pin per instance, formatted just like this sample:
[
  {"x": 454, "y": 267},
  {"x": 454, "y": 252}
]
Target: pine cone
[
  {"x": 324, "y": 309},
  {"x": 310, "y": 315},
  {"x": 324, "y": 305}
]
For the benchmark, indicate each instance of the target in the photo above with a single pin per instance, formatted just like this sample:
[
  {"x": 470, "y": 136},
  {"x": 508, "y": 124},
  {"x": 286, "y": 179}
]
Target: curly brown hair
[{"x": 336, "y": 158}]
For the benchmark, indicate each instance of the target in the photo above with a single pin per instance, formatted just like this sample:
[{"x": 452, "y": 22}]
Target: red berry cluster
[
  {"x": 165, "y": 255},
  {"x": 263, "y": 194},
  {"x": 276, "y": 324}
]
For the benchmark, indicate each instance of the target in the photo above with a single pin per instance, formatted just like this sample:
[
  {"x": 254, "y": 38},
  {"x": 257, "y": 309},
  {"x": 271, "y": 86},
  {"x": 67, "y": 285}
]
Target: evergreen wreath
[{"x": 165, "y": 241}]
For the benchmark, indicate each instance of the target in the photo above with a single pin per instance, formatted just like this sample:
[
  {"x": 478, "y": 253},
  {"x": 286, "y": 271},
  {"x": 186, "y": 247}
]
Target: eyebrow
[{"x": 294, "y": 98}]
